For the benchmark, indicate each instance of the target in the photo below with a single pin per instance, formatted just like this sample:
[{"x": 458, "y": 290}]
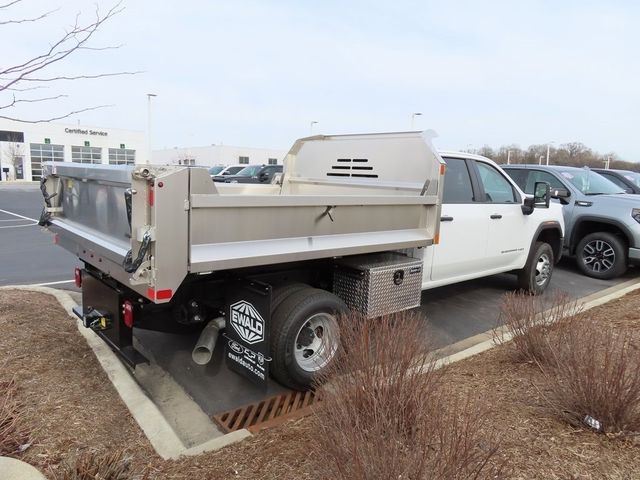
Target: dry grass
[
  {"x": 14, "y": 434},
  {"x": 386, "y": 412},
  {"x": 595, "y": 373},
  {"x": 528, "y": 322},
  {"x": 62, "y": 385},
  {"x": 93, "y": 465}
]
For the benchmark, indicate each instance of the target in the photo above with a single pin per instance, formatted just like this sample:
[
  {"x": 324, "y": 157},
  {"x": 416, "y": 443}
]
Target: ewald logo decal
[{"x": 247, "y": 322}]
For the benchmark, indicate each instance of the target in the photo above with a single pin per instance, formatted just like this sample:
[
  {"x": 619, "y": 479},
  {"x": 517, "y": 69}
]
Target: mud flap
[
  {"x": 248, "y": 310},
  {"x": 102, "y": 312}
]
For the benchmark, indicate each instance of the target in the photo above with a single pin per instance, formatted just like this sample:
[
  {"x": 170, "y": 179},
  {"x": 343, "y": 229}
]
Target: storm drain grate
[{"x": 267, "y": 413}]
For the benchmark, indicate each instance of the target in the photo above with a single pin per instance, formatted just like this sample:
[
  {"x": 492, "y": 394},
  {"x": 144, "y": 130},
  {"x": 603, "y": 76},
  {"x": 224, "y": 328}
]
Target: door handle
[
  {"x": 495, "y": 216},
  {"x": 446, "y": 219}
]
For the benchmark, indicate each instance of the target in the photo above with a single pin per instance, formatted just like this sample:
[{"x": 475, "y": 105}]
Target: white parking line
[
  {"x": 18, "y": 226},
  {"x": 50, "y": 283},
  {"x": 19, "y": 216},
  {"x": 13, "y": 220}
]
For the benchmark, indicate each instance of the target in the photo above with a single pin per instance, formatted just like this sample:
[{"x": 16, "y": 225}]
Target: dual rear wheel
[{"x": 305, "y": 334}]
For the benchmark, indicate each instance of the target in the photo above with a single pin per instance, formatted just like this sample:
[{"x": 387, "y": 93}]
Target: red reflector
[
  {"x": 127, "y": 313},
  {"x": 151, "y": 293},
  {"x": 151, "y": 196},
  {"x": 163, "y": 294},
  {"x": 77, "y": 277}
]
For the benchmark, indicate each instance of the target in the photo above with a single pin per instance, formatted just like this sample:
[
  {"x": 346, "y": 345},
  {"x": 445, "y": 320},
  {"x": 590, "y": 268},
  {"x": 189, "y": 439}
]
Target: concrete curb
[
  {"x": 13, "y": 469},
  {"x": 161, "y": 435},
  {"x": 484, "y": 341}
]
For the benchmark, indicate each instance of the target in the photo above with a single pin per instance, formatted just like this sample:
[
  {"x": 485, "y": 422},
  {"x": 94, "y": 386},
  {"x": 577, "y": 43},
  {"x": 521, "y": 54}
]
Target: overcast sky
[{"x": 256, "y": 73}]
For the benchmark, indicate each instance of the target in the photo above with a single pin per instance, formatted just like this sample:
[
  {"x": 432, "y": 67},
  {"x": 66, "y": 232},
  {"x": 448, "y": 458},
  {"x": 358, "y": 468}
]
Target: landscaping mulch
[{"x": 70, "y": 405}]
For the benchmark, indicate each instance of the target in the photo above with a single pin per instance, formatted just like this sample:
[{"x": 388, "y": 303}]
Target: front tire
[
  {"x": 535, "y": 277},
  {"x": 305, "y": 336},
  {"x": 601, "y": 255}
]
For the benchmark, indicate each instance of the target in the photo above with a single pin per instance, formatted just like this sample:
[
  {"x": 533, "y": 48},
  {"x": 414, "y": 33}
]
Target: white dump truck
[{"x": 352, "y": 224}]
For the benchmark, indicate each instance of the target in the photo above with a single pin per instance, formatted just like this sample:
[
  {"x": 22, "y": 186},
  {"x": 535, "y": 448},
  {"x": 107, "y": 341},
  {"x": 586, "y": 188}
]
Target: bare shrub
[
  {"x": 595, "y": 375},
  {"x": 92, "y": 465},
  {"x": 14, "y": 434},
  {"x": 386, "y": 413},
  {"x": 527, "y": 321}
]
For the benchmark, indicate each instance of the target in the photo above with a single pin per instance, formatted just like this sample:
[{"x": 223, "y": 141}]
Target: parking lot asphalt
[
  {"x": 453, "y": 313},
  {"x": 27, "y": 253}
]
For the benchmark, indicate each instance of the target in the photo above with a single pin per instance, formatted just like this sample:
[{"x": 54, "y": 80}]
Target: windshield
[
  {"x": 249, "y": 171},
  {"x": 633, "y": 177},
  {"x": 590, "y": 183},
  {"x": 215, "y": 170}
]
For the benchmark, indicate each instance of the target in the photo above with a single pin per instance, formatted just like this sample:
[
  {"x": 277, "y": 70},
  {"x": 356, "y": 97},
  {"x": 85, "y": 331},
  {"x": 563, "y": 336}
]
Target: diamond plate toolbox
[{"x": 378, "y": 284}]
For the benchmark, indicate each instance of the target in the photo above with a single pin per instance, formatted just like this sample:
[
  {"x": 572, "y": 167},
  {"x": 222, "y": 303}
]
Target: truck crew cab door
[
  {"x": 508, "y": 235},
  {"x": 463, "y": 228}
]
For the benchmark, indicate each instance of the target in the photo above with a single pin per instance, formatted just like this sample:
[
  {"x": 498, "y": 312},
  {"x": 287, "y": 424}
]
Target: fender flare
[
  {"x": 573, "y": 241},
  {"x": 544, "y": 226}
]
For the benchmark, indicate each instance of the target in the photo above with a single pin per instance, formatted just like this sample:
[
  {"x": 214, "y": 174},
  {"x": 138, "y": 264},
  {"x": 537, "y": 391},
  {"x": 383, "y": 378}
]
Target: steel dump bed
[{"x": 149, "y": 226}]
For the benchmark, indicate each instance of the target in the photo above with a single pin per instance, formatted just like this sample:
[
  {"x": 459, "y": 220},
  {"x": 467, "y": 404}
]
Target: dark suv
[
  {"x": 626, "y": 179},
  {"x": 254, "y": 174}
]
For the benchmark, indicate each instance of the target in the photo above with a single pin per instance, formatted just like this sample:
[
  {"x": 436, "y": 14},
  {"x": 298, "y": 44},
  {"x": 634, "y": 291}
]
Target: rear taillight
[
  {"x": 127, "y": 313},
  {"x": 77, "y": 277}
]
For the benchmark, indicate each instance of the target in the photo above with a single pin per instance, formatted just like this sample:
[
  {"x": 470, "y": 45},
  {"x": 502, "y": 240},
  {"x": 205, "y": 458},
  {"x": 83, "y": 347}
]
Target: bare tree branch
[
  {"x": 7, "y": 5},
  {"x": 26, "y": 89},
  {"x": 34, "y": 71},
  {"x": 27, "y": 20},
  {"x": 81, "y": 77},
  {"x": 52, "y": 119},
  {"x": 30, "y": 100}
]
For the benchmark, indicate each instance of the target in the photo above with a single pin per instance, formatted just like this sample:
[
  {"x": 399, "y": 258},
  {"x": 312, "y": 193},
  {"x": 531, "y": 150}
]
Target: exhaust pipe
[{"x": 203, "y": 351}]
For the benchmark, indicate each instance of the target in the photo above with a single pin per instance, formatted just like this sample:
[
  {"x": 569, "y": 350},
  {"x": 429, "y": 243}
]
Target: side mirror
[
  {"x": 561, "y": 194},
  {"x": 541, "y": 196},
  {"x": 263, "y": 176}
]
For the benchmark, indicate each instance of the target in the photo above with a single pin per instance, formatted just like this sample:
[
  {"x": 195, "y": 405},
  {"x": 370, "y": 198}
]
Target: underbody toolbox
[{"x": 379, "y": 284}]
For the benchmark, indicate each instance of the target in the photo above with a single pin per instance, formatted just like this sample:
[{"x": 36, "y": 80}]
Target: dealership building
[{"x": 25, "y": 146}]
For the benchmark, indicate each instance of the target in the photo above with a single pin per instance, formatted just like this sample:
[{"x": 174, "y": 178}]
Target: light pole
[
  {"x": 149, "y": 97},
  {"x": 311, "y": 124},
  {"x": 540, "y": 159},
  {"x": 548, "y": 146},
  {"x": 508, "y": 157},
  {"x": 413, "y": 118}
]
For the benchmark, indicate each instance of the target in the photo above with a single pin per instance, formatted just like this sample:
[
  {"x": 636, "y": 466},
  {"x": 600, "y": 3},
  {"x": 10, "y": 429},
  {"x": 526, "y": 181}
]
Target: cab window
[
  {"x": 497, "y": 188},
  {"x": 457, "y": 182}
]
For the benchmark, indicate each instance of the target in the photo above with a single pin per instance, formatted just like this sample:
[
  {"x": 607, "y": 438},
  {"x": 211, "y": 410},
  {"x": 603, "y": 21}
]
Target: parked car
[
  {"x": 602, "y": 222},
  {"x": 254, "y": 174},
  {"x": 216, "y": 170},
  {"x": 626, "y": 179},
  {"x": 226, "y": 171}
]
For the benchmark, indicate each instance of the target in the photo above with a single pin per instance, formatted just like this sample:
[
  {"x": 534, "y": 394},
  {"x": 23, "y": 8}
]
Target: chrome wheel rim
[
  {"x": 598, "y": 256},
  {"x": 316, "y": 342},
  {"x": 543, "y": 269}
]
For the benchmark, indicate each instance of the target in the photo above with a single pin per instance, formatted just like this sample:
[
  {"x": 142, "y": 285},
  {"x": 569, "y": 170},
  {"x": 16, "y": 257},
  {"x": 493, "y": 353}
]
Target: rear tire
[
  {"x": 305, "y": 336},
  {"x": 281, "y": 292},
  {"x": 534, "y": 278},
  {"x": 601, "y": 255}
]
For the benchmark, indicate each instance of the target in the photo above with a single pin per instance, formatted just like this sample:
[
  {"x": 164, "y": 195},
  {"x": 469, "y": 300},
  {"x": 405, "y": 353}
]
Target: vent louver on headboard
[{"x": 352, "y": 167}]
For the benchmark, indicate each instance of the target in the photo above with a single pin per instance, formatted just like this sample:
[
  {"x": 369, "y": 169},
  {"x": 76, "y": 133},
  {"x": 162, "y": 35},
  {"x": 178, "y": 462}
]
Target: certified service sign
[{"x": 247, "y": 322}]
